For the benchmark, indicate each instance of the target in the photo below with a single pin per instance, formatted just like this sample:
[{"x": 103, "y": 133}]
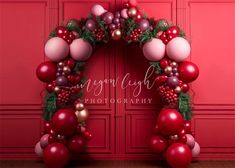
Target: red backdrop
[{"x": 120, "y": 131}]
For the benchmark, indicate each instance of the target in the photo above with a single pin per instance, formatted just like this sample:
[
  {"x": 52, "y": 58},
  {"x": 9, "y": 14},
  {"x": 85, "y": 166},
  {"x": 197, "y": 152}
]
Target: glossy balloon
[
  {"x": 172, "y": 81},
  {"x": 90, "y": 24},
  {"x": 124, "y": 13},
  {"x": 158, "y": 144},
  {"x": 46, "y": 71},
  {"x": 76, "y": 144},
  {"x": 144, "y": 24},
  {"x": 107, "y": 17},
  {"x": 188, "y": 71},
  {"x": 61, "y": 81},
  {"x": 190, "y": 141},
  {"x": 38, "y": 149},
  {"x": 80, "y": 50},
  {"x": 44, "y": 140},
  {"x": 196, "y": 150},
  {"x": 97, "y": 10}
]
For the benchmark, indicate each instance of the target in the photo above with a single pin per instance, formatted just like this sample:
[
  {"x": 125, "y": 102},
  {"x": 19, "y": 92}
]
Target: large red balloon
[
  {"x": 188, "y": 71},
  {"x": 158, "y": 144},
  {"x": 76, "y": 144},
  {"x": 64, "y": 122},
  {"x": 170, "y": 122},
  {"x": 46, "y": 71},
  {"x": 55, "y": 155},
  {"x": 178, "y": 155}
]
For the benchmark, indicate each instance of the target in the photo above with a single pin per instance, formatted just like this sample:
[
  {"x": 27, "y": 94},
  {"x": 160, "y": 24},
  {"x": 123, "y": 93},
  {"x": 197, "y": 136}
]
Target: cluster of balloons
[{"x": 173, "y": 139}]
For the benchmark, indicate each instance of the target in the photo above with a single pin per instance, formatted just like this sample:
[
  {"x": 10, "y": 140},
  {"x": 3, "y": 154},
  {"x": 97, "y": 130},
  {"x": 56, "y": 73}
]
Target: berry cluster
[
  {"x": 135, "y": 34},
  {"x": 168, "y": 95},
  {"x": 169, "y": 34},
  {"x": 66, "y": 35},
  {"x": 99, "y": 34},
  {"x": 63, "y": 96}
]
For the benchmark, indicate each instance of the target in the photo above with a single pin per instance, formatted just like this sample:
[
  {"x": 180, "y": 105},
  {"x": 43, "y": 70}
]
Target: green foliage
[
  {"x": 145, "y": 36},
  {"x": 49, "y": 106},
  {"x": 182, "y": 33},
  {"x": 89, "y": 37},
  {"x": 78, "y": 66},
  {"x": 101, "y": 24},
  {"x": 130, "y": 25},
  {"x": 185, "y": 106},
  {"x": 156, "y": 65},
  {"x": 73, "y": 25}
]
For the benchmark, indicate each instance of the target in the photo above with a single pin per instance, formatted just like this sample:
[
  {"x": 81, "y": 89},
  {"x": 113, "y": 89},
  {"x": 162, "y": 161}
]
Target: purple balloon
[
  {"x": 172, "y": 81},
  {"x": 61, "y": 81},
  {"x": 44, "y": 141},
  {"x": 112, "y": 26},
  {"x": 38, "y": 149},
  {"x": 144, "y": 24},
  {"x": 108, "y": 17},
  {"x": 117, "y": 14},
  {"x": 90, "y": 24},
  {"x": 196, "y": 150},
  {"x": 116, "y": 21}
]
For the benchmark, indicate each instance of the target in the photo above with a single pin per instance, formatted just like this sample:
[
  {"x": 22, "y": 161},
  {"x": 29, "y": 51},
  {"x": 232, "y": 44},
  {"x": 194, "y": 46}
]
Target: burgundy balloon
[
  {"x": 64, "y": 121},
  {"x": 117, "y": 14},
  {"x": 188, "y": 71},
  {"x": 47, "y": 127},
  {"x": 76, "y": 144},
  {"x": 107, "y": 17},
  {"x": 187, "y": 127},
  {"x": 46, "y": 71},
  {"x": 90, "y": 24},
  {"x": 178, "y": 155},
  {"x": 172, "y": 81},
  {"x": 144, "y": 24},
  {"x": 116, "y": 21},
  {"x": 56, "y": 155},
  {"x": 158, "y": 144},
  {"x": 61, "y": 81},
  {"x": 112, "y": 26}
]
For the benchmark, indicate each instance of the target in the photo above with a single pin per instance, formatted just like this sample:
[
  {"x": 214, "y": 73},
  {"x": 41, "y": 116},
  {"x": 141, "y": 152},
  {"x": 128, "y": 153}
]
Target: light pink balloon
[
  {"x": 154, "y": 50},
  {"x": 38, "y": 149},
  {"x": 196, "y": 150},
  {"x": 178, "y": 49},
  {"x": 98, "y": 10},
  {"x": 80, "y": 50},
  {"x": 56, "y": 49},
  {"x": 124, "y": 13},
  {"x": 44, "y": 141},
  {"x": 190, "y": 141}
]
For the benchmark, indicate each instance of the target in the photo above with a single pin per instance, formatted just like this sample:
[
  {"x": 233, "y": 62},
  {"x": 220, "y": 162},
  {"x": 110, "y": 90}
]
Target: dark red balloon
[
  {"x": 170, "y": 122},
  {"x": 64, "y": 122},
  {"x": 178, "y": 155},
  {"x": 46, "y": 71},
  {"x": 158, "y": 144},
  {"x": 76, "y": 144},
  {"x": 55, "y": 155},
  {"x": 164, "y": 63},
  {"x": 47, "y": 127},
  {"x": 188, "y": 71},
  {"x": 187, "y": 127}
]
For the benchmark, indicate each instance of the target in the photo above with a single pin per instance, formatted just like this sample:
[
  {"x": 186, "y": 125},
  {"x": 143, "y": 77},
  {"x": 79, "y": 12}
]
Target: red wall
[{"x": 121, "y": 131}]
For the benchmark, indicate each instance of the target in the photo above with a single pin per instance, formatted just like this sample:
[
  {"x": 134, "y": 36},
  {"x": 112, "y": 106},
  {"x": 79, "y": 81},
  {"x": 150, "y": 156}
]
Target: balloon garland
[{"x": 70, "y": 45}]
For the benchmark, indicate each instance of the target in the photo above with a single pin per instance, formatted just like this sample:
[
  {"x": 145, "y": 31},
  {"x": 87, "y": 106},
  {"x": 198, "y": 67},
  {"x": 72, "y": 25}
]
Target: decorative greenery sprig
[
  {"x": 185, "y": 106},
  {"x": 49, "y": 105}
]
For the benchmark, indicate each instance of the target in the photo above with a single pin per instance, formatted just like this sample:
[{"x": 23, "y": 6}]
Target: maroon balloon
[
  {"x": 187, "y": 127},
  {"x": 178, "y": 155},
  {"x": 158, "y": 144},
  {"x": 144, "y": 24},
  {"x": 76, "y": 144},
  {"x": 55, "y": 155},
  {"x": 188, "y": 71},
  {"x": 64, "y": 121},
  {"x": 46, "y": 71},
  {"x": 90, "y": 24},
  {"x": 47, "y": 127},
  {"x": 172, "y": 81},
  {"x": 61, "y": 81},
  {"x": 170, "y": 122},
  {"x": 108, "y": 17}
]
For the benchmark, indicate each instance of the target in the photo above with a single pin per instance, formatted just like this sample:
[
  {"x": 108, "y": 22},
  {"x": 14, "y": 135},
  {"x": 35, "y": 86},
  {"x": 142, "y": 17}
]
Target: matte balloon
[
  {"x": 76, "y": 144},
  {"x": 144, "y": 24},
  {"x": 46, "y": 71},
  {"x": 124, "y": 13},
  {"x": 56, "y": 49},
  {"x": 178, "y": 49},
  {"x": 178, "y": 155},
  {"x": 188, "y": 71},
  {"x": 196, "y": 150},
  {"x": 80, "y": 50},
  {"x": 44, "y": 140},
  {"x": 97, "y": 10},
  {"x": 190, "y": 140},
  {"x": 158, "y": 144},
  {"x": 38, "y": 149},
  {"x": 170, "y": 122},
  {"x": 154, "y": 50},
  {"x": 90, "y": 24},
  {"x": 56, "y": 155},
  {"x": 108, "y": 17}
]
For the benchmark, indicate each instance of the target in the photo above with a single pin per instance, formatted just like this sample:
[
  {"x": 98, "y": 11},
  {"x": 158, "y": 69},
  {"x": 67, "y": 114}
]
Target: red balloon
[
  {"x": 76, "y": 144},
  {"x": 178, "y": 155},
  {"x": 170, "y": 122},
  {"x": 64, "y": 121},
  {"x": 158, "y": 144},
  {"x": 55, "y": 155},
  {"x": 47, "y": 127},
  {"x": 46, "y": 71},
  {"x": 187, "y": 127},
  {"x": 188, "y": 71}
]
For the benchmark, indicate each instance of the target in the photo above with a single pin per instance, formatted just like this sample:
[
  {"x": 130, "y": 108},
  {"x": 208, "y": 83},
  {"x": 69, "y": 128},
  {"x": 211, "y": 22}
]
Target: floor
[{"x": 118, "y": 164}]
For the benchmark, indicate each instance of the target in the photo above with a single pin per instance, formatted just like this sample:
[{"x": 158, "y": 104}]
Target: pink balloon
[
  {"x": 38, "y": 149},
  {"x": 196, "y": 150},
  {"x": 190, "y": 140},
  {"x": 56, "y": 49},
  {"x": 98, "y": 10},
  {"x": 178, "y": 49},
  {"x": 80, "y": 50},
  {"x": 133, "y": 2},
  {"x": 124, "y": 13},
  {"x": 154, "y": 50},
  {"x": 44, "y": 140}
]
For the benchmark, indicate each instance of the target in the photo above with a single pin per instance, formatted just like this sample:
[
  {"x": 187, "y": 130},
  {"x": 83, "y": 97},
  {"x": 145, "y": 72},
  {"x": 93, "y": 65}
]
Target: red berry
[
  {"x": 60, "y": 31},
  {"x": 174, "y": 31}
]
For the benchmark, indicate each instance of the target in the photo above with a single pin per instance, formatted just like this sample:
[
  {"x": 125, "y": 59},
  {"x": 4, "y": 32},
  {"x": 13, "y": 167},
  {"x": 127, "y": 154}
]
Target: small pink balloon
[
  {"x": 44, "y": 141},
  {"x": 38, "y": 149},
  {"x": 178, "y": 49},
  {"x": 124, "y": 13},
  {"x": 80, "y": 50},
  {"x": 190, "y": 140},
  {"x": 98, "y": 10},
  {"x": 56, "y": 49},
  {"x": 154, "y": 50},
  {"x": 196, "y": 150}
]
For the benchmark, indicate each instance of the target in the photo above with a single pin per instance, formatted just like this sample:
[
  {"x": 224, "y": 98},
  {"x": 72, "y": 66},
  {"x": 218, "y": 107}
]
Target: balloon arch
[{"x": 70, "y": 45}]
